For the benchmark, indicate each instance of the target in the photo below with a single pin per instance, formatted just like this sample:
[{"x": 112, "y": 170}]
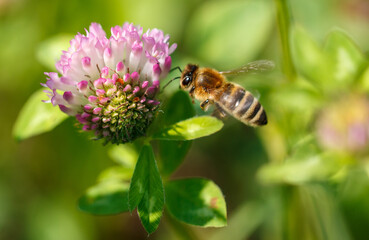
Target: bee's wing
[{"x": 252, "y": 67}]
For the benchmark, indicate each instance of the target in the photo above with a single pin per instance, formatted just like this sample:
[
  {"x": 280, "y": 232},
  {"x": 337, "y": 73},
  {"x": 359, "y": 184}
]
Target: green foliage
[
  {"x": 333, "y": 67},
  {"x": 305, "y": 164},
  {"x": 116, "y": 173},
  {"x": 106, "y": 198},
  {"x": 215, "y": 23},
  {"x": 243, "y": 223},
  {"x": 110, "y": 194},
  {"x": 313, "y": 205},
  {"x": 37, "y": 117},
  {"x": 179, "y": 107},
  {"x": 125, "y": 155},
  {"x": 347, "y": 60},
  {"x": 301, "y": 191},
  {"x": 309, "y": 58},
  {"x": 190, "y": 129},
  {"x": 172, "y": 153},
  {"x": 146, "y": 191},
  {"x": 353, "y": 196},
  {"x": 49, "y": 51},
  {"x": 311, "y": 168},
  {"x": 363, "y": 81},
  {"x": 196, "y": 201}
]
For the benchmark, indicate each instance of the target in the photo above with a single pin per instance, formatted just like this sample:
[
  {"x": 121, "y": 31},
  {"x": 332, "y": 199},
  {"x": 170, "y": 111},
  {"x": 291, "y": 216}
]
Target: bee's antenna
[
  {"x": 170, "y": 82},
  {"x": 171, "y": 70}
]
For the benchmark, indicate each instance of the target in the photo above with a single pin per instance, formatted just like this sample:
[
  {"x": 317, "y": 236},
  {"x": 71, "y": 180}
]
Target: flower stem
[{"x": 284, "y": 20}]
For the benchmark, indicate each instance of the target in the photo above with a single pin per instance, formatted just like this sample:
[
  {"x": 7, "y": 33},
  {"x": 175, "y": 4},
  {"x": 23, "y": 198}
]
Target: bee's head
[{"x": 188, "y": 76}]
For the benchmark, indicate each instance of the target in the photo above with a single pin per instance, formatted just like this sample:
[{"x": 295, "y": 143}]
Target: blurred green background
[{"x": 42, "y": 177}]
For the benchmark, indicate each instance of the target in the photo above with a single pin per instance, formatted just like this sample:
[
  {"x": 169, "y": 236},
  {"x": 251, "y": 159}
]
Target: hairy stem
[{"x": 284, "y": 20}]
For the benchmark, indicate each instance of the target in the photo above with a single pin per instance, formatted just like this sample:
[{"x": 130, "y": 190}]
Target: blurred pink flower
[
  {"x": 110, "y": 84},
  {"x": 344, "y": 125}
]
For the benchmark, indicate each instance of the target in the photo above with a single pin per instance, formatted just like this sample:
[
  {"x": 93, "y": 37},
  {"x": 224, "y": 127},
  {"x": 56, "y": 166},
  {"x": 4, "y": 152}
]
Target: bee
[{"x": 211, "y": 87}]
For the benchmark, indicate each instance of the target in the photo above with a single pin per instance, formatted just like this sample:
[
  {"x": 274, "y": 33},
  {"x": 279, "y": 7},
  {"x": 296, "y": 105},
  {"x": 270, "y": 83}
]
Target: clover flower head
[{"x": 110, "y": 84}]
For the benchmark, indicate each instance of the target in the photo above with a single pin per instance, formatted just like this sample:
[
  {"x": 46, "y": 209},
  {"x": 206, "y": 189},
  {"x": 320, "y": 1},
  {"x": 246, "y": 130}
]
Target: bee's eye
[{"x": 187, "y": 80}]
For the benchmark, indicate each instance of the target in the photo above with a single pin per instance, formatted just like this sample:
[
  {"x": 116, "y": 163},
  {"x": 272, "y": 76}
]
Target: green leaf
[
  {"x": 151, "y": 206},
  {"x": 116, "y": 173},
  {"x": 37, "y": 117},
  {"x": 248, "y": 24},
  {"x": 139, "y": 179},
  {"x": 190, "y": 129},
  {"x": 309, "y": 57},
  {"x": 124, "y": 154},
  {"x": 179, "y": 108},
  {"x": 334, "y": 67},
  {"x": 305, "y": 164},
  {"x": 364, "y": 81},
  {"x": 196, "y": 201},
  {"x": 348, "y": 60},
  {"x": 105, "y": 198},
  {"x": 315, "y": 168},
  {"x": 146, "y": 190},
  {"x": 49, "y": 51},
  {"x": 172, "y": 153}
]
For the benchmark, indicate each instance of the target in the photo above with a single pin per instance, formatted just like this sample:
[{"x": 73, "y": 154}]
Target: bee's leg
[
  {"x": 219, "y": 112},
  {"x": 191, "y": 94},
  {"x": 205, "y": 104}
]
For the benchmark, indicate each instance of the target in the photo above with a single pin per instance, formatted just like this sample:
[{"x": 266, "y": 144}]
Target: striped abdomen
[{"x": 242, "y": 105}]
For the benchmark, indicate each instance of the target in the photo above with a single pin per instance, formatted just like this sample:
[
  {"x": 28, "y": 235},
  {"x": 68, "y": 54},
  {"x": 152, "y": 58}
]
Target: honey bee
[{"x": 211, "y": 87}]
